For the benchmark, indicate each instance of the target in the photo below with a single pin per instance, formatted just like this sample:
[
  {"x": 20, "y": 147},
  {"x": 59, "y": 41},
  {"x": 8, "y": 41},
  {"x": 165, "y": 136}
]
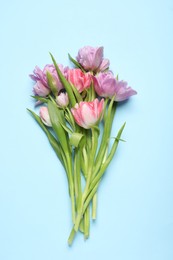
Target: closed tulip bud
[
  {"x": 62, "y": 100},
  {"x": 52, "y": 83},
  {"x": 44, "y": 115}
]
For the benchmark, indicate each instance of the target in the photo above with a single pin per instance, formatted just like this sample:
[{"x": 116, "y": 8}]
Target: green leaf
[
  {"x": 67, "y": 129},
  {"x": 122, "y": 140},
  {"x": 65, "y": 83},
  {"x": 108, "y": 160},
  {"x": 44, "y": 100},
  {"x": 97, "y": 129},
  {"x": 106, "y": 134},
  {"x": 77, "y": 139},
  {"x": 77, "y": 94},
  {"x": 57, "y": 120},
  {"x": 54, "y": 143},
  {"x": 52, "y": 83},
  {"x": 70, "y": 118},
  {"x": 75, "y": 63}
]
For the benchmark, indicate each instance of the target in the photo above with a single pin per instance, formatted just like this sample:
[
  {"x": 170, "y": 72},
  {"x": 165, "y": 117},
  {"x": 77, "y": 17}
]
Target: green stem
[
  {"x": 105, "y": 136},
  {"x": 70, "y": 119},
  {"x": 78, "y": 175},
  {"x": 89, "y": 176},
  {"x": 75, "y": 178},
  {"x": 71, "y": 186},
  {"x": 71, "y": 237},
  {"x": 89, "y": 197},
  {"x": 87, "y": 223},
  {"x": 95, "y": 183},
  {"x": 94, "y": 206},
  {"x": 84, "y": 161}
]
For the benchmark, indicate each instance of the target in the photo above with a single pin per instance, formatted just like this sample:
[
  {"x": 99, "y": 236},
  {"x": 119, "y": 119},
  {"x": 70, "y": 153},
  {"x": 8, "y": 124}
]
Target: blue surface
[{"x": 135, "y": 210}]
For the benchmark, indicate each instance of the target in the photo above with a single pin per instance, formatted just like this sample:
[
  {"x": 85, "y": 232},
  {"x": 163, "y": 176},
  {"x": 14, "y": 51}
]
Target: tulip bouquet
[{"x": 77, "y": 116}]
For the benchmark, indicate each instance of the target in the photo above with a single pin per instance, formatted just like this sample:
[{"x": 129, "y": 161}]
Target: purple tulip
[
  {"x": 40, "y": 75},
  {"x": 40, "y": 89},
  {"x": 106, "y": 85},
  {"x": 92, "y": 59}
]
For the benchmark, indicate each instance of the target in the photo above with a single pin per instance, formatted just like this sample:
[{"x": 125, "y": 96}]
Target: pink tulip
[
  {"x": 92, "y": 59},
  {"x": 41, "y": 90},
  {"x": 44, "y": 115},
  {"x": 79, "y": 79},
  {"x": 62, "y": 99},
  {"x": 106, "y": 85},
  {"x": 88, "y": 114}
]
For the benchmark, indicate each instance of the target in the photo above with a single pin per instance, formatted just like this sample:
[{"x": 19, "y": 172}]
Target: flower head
[
  {"x": 88, "y": 114},
  {"x": 92, "y": 59},
  {"x": 79, "y": 79},
  {"x": 40, "y": 75},
  {"x": 106, "y": 85},
  {"x": 44, "y": 115},
  {"x": 62, "y": 99},
  {"x": 122, "y": 91},
  {"x": 40, "y": 89}
]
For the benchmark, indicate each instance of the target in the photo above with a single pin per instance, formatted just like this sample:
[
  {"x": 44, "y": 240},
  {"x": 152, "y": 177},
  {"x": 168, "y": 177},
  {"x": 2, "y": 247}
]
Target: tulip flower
[
  {"x": 40, "y": 89},
  {"x": 44, "y": 115},
  {"x": 40, "y": 75},
  {"x": 79, "y": 79},
  {"x": 88, "y": 114},
  {"x": 62, "y": 99},
  {"x": 106, "y": 85},
  {"x": 92, "y": 59}
]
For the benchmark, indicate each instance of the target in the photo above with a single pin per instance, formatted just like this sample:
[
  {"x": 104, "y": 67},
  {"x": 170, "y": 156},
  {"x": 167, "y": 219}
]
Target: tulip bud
[
  {"x": 44, "y": 115},
  {"x": 62, "y": 100},
  {"x": 52, "y": 83}
]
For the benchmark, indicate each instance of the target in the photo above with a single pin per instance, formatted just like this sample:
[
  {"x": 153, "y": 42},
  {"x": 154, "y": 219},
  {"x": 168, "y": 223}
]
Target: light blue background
[{"x": 135, "y": 210}]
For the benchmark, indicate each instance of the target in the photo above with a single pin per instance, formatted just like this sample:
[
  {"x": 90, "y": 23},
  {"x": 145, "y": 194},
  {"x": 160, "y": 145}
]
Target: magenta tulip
[{"x": 88, "y": 114}]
